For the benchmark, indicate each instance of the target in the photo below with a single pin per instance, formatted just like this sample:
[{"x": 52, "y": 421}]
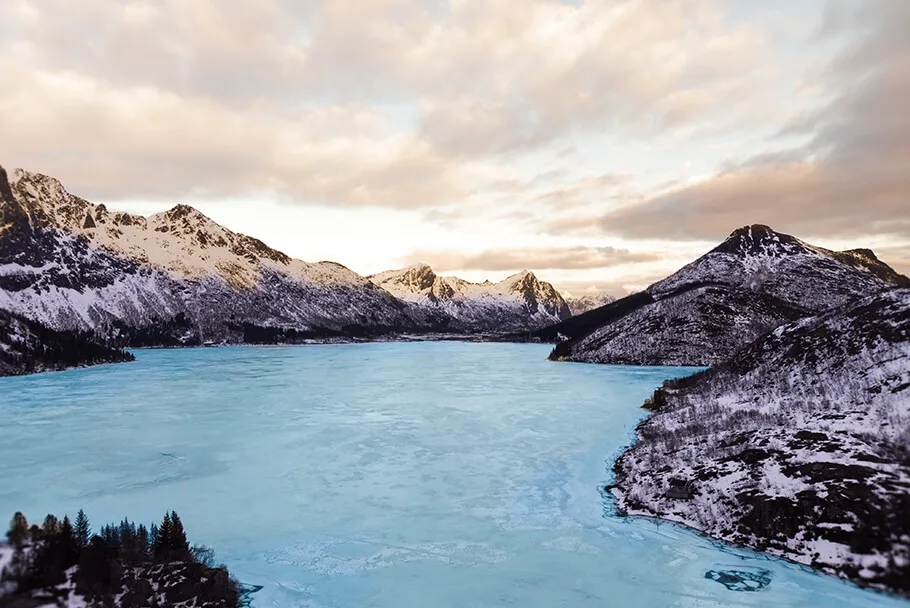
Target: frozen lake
[{"x": 394, "y": 475}]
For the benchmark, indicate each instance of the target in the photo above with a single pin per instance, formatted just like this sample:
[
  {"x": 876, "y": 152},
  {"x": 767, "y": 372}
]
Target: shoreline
[{"x": 610, "y": 490}]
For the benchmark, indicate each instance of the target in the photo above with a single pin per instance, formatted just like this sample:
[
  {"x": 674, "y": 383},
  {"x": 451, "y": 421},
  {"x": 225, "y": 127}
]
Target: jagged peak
[
  {"x": 418, "y": 276},
  {"x": 181, "y": 211},
  {"x": 418, "y": 269},
  {"x": 50, "y": 185},
  {"x": 524, "y": 277},
  {"x": 521, "y": 274}
]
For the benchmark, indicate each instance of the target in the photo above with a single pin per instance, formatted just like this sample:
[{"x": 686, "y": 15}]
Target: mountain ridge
[
  {"x": 178, "y": 277},
  {"x": 755, "y": 280},
  {"x": 520, "y": 301}
]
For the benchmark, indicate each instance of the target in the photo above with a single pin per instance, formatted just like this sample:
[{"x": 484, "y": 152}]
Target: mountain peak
[
  {"x": 416, "y": 277},
  {"x": 524, "y": 275},
  {"x": 419, "y": 267},
  {"x": 185, "y": 211},
  {"x": 759, "y": 239},
  {"x": 864, "y": 253}
]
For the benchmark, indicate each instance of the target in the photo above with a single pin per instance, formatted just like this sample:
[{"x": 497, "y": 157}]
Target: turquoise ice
[{"x": 393, "y": 475}]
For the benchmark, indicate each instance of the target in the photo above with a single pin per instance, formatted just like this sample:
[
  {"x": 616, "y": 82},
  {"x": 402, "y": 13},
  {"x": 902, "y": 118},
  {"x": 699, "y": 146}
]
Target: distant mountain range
[
  {"x": 517, "y": 303},
  {"x": 586, "y": 302},
  {"x": 799, "y": 445},
  {"x": 179, "y": 278},
  {"x": 754, "y": 281}
]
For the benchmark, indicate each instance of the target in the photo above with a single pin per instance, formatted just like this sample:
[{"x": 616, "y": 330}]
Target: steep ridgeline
[
  {"x": 173, "y": 278},
  {"x": 754, "y": 281},
  {"x": 27, "y": 347},
  {"x": 582, "y": 304},
  {"x": 799, "y": 446},
  {"x": 519, "y": 303}
]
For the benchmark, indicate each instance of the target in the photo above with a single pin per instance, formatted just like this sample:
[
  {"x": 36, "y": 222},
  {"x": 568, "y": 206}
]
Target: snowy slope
[
  {"x": 27, "y": 347},
  {"x": 518, "y": 303},
  {"x": 754, "y": 281},
  {"x": 799, "y": 446},
  {"x": 175, "y": 277}
]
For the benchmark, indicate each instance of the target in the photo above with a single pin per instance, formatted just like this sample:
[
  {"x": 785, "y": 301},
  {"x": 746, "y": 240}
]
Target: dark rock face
[
  {"x": 6, "y": 193},
  {"x": 754, "y": 281},
  {"x": 799, "y": 445},
  {"x": 181, "y": 582}
]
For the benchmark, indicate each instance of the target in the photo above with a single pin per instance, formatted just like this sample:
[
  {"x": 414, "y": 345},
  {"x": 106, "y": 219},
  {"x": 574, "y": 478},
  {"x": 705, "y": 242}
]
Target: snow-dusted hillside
[
  {"x": 754, "y": 281},
  {"x": 175, "y": 277},
  {"x": 758, "y": 259},
  {"x": 586, "y": 302},
  {"x": 518, "y": 303},
  {"x": 799, "y": 446},
  {"x": 28, "y": 347}
]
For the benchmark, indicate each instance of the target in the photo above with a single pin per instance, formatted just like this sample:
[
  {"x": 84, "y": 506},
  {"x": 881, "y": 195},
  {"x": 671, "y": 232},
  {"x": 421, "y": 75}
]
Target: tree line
[{"x": 44, "y": 554}]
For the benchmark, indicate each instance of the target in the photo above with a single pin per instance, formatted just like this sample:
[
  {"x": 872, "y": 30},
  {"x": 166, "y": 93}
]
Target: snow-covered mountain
[
  {"x": 799, "y": 446},
  {"x": 518, "y": 303},
  {"x": 178, "y": 277},
  {"x": 174, "y": 277},
  {"x": 584, "y": 303},
  {"x": 754, "y": 281},
  {"x": 27, "y": 347}
]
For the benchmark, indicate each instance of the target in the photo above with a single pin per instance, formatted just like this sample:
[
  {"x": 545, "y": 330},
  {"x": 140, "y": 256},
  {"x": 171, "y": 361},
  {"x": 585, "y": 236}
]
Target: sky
[{"x": 600, "y": 143}]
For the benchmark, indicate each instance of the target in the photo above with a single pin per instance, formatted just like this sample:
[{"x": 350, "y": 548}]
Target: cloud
[
  {"x": 139, "y": 142},
  {"x": 555, "y": 68},
  {"x": 559, "y": 123},
  {"x": 851, "y": 178},
  {"x": 896, "y": 257},
  {"x": 552, "y": 258},
  {"x": 347, "y": 102}
]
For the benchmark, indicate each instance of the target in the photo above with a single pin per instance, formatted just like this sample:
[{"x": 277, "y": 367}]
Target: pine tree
[
  {"x": 18, "y": 529},
  {"x": 128, "y": 546},
  {"x": 180, "y": 547},
  {"x": 111, "y": 535},
  {"x": 69, "y": 548},
  {"x": 163, "y": 539},
  {"x": 142, "y": 542},
  {"x": 83, "y": 529},
  {"x": 66, "y": 530},
  {"x": 51, "y": 525}
]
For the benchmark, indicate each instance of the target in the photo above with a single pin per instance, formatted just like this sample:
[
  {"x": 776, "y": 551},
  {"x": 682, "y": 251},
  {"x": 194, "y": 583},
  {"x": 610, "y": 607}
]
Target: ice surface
[{"x": 422, "y": 474}]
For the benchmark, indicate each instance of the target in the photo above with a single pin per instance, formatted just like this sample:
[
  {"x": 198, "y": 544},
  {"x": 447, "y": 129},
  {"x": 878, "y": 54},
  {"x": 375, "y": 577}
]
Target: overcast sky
[{"x": 600, "y": 143}]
